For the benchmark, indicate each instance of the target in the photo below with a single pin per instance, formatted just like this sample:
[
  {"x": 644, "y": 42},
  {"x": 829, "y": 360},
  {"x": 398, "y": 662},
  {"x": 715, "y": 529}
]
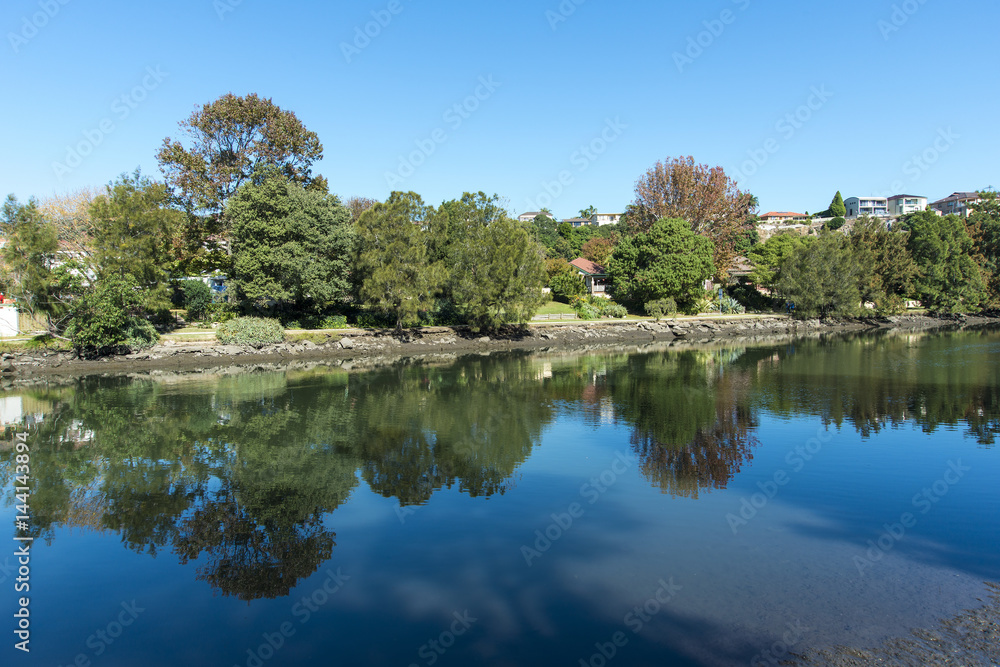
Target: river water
[{"x": 718, "y": 505}]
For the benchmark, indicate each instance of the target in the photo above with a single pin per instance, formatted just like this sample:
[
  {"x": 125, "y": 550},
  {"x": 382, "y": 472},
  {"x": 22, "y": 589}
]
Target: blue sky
[{"x": 559, "y": 105}]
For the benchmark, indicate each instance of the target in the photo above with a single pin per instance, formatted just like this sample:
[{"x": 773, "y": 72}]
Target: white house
[
  {"x": 904, "y": 204},
  {"x": 876, "y": 207}
]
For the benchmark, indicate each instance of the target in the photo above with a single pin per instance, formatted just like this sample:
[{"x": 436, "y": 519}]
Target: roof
[
  {"x": 783, "y": 214},
  {"x": 741, "y": 266},
  {"x": 959, "y": 196},
  {"x": 588, "y": 267},
  {"x": 571, "y": 220},
  {"x": 906, "y": 197},
  {"x": 533, "y": 214}
]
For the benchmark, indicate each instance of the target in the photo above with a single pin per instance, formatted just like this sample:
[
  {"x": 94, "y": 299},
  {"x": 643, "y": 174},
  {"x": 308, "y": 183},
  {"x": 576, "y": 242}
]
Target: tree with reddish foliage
[
  {"x": 598, "y": 250},
  {"x": 705, "y": 197},
  {"x": 358, "y": 205}
]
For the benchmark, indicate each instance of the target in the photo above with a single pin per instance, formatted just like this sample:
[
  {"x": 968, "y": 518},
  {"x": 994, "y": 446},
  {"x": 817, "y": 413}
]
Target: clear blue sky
[{"x": 891, "y": 88}]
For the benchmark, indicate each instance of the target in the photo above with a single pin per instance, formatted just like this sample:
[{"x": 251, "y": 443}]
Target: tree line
[{"x": 239, "y": 198}]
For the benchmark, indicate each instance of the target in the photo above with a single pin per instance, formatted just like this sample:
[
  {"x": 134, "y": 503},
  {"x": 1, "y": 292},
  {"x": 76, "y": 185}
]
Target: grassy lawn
[{"x": 555, "y": 308}]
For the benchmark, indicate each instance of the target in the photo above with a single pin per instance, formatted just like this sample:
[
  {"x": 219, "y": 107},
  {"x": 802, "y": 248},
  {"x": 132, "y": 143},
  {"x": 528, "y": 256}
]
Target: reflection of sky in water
[{"x": 412, "y": 569}]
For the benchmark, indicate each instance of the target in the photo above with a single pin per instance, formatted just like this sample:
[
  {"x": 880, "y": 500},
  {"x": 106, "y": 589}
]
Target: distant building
[
  {"x": 602, "y": 219},
  {"x": 579, "y": 222},
  {"x": 957, "y": 203},
  {"x": 528, "y": 217},
  {"x": 905, "y": 204},
  {"x": 876, "y": 207},
  {"x": 781, "y": 216}
]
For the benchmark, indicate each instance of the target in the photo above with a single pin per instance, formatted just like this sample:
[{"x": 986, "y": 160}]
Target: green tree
[
  {"x": 670, "y": 260},
  {"x": 887, "y": 267},
  {"x": 588, "y": 212},
  {"x": 28, "y": 262},
  {"x": 837, "y": 207},
  {"x": 768, "y": 257},
  {"x": 228, "y": 140},
  {"x": 290, "y": 244},
  {"x": 133, "y": 229},
  {"x": 110, "y": 317},
  {"x": 497, "y": 272},
  {"x": 949, "y": 280},
  {"x": 393, "y": 267},
  {"x": 567, "y": 282},
  {"x": 984, "y": 228},
  {"x": 822, "y": 278},
  {"x": 835, "y": 224}
]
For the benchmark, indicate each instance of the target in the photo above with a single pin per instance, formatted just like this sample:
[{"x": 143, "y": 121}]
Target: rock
[
  {"x": 346, "y": 344},
  {"x": 309, "y": 345},
  {"x": 484, "y": 339},
  {"x": 8, "y": 369}
]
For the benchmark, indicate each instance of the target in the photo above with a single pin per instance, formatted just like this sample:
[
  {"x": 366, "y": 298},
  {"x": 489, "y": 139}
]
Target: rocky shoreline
[{"x": 177, "y": 354}]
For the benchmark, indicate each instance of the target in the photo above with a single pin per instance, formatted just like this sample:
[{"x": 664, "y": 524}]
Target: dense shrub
[
  {"x": 592, "y": 308},
  {"x": 753, "y": 300},
  {"x": 334, "y": 322},
  {"x": 221, "y": 312},
  {"x": 251, "y": 331},
  {"x": 140, "y": 335},
  {"x": 197, "y": 298},
  {"x": 835, "y": 224},
  {"x": 661, "y": 308},
  {"x": 108, "y": 319},
  {"x": 443, "y": 314},
  {"x": 730, "y": 306},
  {"x": 374, "y": 320},
  {"x": 567, "y": 285}
]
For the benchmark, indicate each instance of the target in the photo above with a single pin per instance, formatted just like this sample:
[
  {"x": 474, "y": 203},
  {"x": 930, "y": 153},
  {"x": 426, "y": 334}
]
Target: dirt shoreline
[{"x": 370, "y": 346}]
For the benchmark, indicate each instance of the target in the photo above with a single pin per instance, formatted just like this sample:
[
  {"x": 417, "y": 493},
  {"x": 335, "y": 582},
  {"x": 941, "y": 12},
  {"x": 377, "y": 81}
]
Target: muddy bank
[
  {"x": 969, "y": 639},
  {"x": 178, "y": 354}
]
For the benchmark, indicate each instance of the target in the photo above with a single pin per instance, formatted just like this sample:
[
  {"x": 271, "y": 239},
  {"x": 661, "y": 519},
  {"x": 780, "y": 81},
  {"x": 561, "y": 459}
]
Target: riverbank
[{"x": 190, "y": 353}]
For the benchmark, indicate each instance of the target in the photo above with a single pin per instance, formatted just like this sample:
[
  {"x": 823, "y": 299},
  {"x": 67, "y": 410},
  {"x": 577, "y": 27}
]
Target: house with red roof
[
  {"x": 594, "y": 275},
  {"x": 781, "y": 216}
]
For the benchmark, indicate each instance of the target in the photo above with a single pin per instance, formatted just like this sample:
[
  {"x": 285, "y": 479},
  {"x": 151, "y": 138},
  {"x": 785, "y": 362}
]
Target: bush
[
  {"x": 370, "y": 320},
  {"x": 103, "y": 318},
  {"x": 835, "y": 224},
  {"x": 567, "y": 285},
  {"x": 661, "y": 308},
  {"x": 592, "y": 308},
  {"x": 753, "y": 300},
  {"x": 730, "y": 306},
  {"x": 251, "y": 331},
  {"x": 443, "y": 314},
  {"x": 334, "y": 322},
  {"x": 197, "y": 298},
  {"x": 140, "y": 335},
  {"x": 221, "y": 312}
]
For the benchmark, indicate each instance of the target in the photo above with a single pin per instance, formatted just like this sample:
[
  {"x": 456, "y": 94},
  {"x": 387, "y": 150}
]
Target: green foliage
[
  {"x": 290, "y": 245},
  {"x": 669, "y": 260},
  {"x": 835, "y": 224},
  {"x": 443, "y": 314},
  {"x": 567, "y": 283},
  {"x": 661, "y": 308},
  {"x": 496, "y": 270},
  {"x": 822, "y": 278},
  {"x": 376, "y": 320},
  {"x": 133, "y": 228},
  {"x": 140, "y": 334},
  {"x": 887, "y": 268},
  {"x": 109, "y": 318},
  {"x": 949, "y": 280},
  {"x": 768, "y": 257},
  {"x": 229, "y": 140},
  {"x": 197, "y": 298},
  {"x": 731, "y": 306},
  {"x": 394, "y": 266},
  {"x": 221, "y": 312},
  {"x": 32, "y": 243},
  {"x": 837, "y": 207},
  {"x": 250, "y": 331},
  {"x": 594, "y": 307},
  {"x": 752, "y": 299},
  {"x": 984, "y": 228}
]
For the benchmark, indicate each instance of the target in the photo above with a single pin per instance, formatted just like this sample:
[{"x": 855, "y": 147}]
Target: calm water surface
[{"x": 661, "y": 506}]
